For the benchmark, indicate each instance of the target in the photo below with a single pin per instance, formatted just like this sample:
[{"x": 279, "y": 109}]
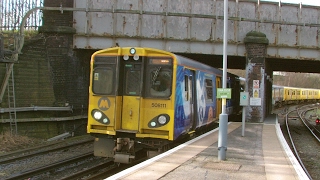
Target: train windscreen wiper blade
[{"x": 156, "y": 74}]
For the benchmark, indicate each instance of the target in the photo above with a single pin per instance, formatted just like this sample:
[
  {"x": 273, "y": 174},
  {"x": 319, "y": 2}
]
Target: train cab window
[
  {"x": 102, "y": 81},
  {"x": 159, "y": 77},
  {"x": 161, "y": 82}
]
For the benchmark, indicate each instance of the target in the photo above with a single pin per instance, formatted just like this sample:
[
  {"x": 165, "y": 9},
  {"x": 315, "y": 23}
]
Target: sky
[{"x": 306, "y": 2}]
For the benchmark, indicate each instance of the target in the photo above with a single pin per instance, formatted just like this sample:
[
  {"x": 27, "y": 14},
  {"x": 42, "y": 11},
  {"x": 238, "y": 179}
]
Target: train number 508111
[{"x": 158, "y": 105}]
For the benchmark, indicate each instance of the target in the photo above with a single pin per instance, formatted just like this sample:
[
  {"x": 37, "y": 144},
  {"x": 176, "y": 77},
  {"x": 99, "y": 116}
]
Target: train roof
[
  {"x": 181, "y": 60},
  {"x": 288, "y": 87}
]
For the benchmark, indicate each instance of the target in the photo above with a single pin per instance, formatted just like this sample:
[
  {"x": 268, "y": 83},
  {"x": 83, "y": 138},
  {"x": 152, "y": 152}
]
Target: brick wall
[
  {"x": 56, "y": 18},
  {"x": 50, "y": 72},
  {"x": 69, "y": 73}
]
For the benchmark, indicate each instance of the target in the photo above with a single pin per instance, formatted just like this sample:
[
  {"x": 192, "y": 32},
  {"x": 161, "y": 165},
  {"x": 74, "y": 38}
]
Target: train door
[
  {"x": 132, "y": 83},
  {"x": 190, "y": 90}
]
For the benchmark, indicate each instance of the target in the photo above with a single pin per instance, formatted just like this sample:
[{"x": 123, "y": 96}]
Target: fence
[{"x": 12, "y": 12}]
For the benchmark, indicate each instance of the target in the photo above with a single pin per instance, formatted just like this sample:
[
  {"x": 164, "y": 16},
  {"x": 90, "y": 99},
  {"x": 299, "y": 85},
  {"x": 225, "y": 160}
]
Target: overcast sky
[{"x": 307, "y": 2}]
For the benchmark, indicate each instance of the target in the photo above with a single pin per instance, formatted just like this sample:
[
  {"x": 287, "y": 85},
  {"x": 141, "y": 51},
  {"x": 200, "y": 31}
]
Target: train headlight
[
  {"x": 105, "y": 120},
  {"x": 162, "y": 119},
  {"x": 97, "y": 115},
  {"x": 132, "y": 51},
  {"x": 126, "y": 57},
  {"x": 153, "y": 124},
  {"x": 159, "y": 121},
  {"x": 136, "y": 57}
]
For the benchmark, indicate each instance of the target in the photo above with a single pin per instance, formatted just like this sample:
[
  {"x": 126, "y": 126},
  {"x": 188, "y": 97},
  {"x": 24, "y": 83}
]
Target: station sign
[
  {"x": 224, "y": 93},
  {"x": 255, "y": 101}
]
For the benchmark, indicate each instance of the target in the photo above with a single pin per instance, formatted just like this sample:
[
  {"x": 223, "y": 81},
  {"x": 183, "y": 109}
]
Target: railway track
[
  {"x": 34, "y": 172},
  {"x": 34, "y": 163},
  {"x": 19, "y": 162},
  {"x": 299, "y": 134},
  {"x": 39, "y": 150}
]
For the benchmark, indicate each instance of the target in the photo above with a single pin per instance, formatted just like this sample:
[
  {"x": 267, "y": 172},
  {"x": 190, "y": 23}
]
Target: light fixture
[
  {"x": 162, "y": 119},
  {"x": 97, "y": 115},
  {"x": 132, "y": 51},
  {"x": 136, "y": 57},
  {"x": 125, "y": 57}
]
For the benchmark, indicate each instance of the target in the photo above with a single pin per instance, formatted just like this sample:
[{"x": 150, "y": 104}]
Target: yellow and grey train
[
  {"x": 144, "y": 99},
  {"x": 284, "y": 95}
]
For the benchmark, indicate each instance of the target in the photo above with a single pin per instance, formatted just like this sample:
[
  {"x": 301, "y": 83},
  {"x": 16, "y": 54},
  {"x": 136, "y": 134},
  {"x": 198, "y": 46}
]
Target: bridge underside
[{"x": 238, "y": 62}]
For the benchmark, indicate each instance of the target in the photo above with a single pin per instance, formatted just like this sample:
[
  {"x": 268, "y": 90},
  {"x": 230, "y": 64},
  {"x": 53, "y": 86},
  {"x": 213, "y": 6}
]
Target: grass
[{"x": 10, "y": 142}]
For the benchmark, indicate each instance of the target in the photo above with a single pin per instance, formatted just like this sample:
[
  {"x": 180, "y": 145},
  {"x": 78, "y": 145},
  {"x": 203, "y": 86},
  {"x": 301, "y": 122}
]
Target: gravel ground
[{"x": 10, "y": 169}]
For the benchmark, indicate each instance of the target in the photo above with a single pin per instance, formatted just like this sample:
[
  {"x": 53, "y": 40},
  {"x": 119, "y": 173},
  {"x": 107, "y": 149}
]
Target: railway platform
[{"x": 262, "y": 153}]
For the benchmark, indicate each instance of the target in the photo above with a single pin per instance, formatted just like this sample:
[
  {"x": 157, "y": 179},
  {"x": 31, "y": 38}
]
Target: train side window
[
  {"x": 209, "y": 93},
  {"x": 102, "y": 81},
  {"x": 186, "y": 88}
]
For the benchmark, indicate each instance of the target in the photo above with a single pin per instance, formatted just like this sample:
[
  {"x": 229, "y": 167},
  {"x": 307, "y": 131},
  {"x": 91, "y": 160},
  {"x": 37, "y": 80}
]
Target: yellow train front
[{"x": 144, "y": 99}]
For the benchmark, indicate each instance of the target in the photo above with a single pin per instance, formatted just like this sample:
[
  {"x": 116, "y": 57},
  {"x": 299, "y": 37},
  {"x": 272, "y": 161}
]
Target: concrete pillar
[{"x": 256, "y": 75}]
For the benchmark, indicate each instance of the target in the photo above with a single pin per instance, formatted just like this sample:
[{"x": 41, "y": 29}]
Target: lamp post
[{"x": 223, "y": 118}]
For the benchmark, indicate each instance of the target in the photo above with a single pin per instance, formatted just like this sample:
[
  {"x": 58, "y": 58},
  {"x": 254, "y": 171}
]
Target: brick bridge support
[
  {"x": 67, "y": 73},
  {"x": 258, "y": 76}
]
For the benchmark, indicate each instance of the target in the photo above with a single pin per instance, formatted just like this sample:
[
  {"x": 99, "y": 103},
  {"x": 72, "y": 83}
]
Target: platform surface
[{"x": 261, "y": 153}]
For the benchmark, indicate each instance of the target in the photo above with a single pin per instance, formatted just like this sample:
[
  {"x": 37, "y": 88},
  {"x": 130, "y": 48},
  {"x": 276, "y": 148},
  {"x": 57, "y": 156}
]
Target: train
[
  {"x": 142, "y": 100},
  {"x": 285, "y": 95}
]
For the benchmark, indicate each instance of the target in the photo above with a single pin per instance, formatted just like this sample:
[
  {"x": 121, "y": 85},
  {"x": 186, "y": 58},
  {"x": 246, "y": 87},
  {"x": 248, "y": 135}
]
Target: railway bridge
[{"x": 262, "y": 37}]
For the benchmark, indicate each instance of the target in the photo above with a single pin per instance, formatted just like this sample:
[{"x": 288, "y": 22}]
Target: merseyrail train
[
  {"x": 284, "y": 95},
  {"x": 145, "y": 99}
]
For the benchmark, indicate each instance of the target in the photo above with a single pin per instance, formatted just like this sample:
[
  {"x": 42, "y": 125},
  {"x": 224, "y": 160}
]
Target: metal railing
[{"x": 13, "y": 11}]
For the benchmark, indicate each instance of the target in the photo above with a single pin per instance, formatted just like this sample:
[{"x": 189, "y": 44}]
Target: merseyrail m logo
[{"x": 104, "y": 103}]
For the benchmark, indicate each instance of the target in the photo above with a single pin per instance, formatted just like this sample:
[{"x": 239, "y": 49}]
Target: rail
[
  {"x": 292, "y": 142},
  {"x": 35, "y": 108}
]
